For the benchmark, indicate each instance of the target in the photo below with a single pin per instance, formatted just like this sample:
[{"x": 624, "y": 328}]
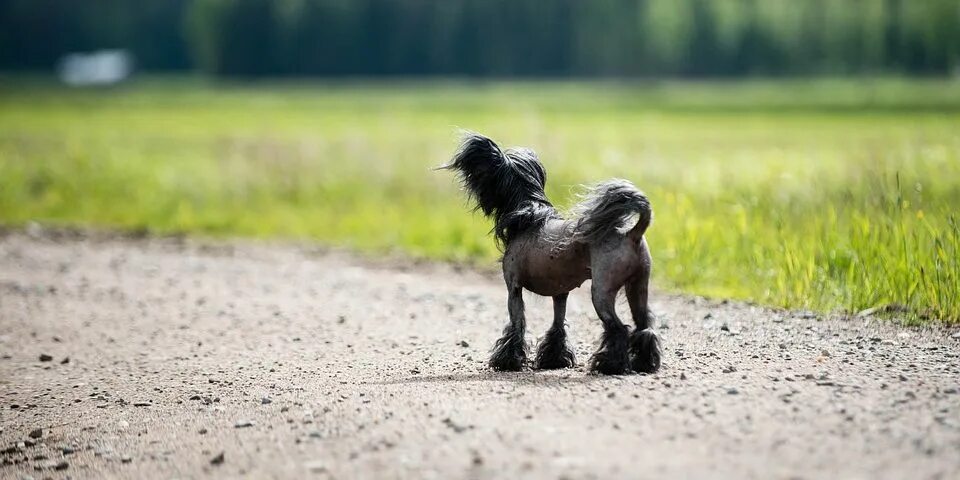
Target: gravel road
[{"x": 165, "y": 358}]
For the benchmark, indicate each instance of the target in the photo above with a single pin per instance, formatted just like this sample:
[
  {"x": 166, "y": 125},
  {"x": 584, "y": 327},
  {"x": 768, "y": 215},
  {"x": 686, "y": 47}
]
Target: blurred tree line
[{"x": 493, "y": 37}]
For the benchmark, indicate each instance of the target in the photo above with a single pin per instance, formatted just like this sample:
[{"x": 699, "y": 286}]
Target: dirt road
[{"x": 171, "y": 359}]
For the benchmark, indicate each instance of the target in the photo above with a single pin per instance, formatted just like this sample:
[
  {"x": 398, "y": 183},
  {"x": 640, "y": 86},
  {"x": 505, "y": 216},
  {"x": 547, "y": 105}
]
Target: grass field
[{"x": 827, "y": 195}]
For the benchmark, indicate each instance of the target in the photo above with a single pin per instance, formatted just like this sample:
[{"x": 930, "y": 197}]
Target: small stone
[
  {"x": 126, "y": 459},
  {"x": 464, "y": 344},
  {"x": 65, "y": 361},
  {"x": 202, "y": 431},
  {"x": 218, "y": 460},
  {"x": 45, "y": 358},
  {"x": 683, "y": 376},
  {"x": 61, "y": 466},
  {"x": 903, "y": 378},
  {"x": 37, "y": 433},
  {"x": 68, "y": 450},
  {"x": 453, "y": 426},
  {"x": 244, "y": 424},
  {"x": 733, "y": 391},
  {"x": 141, "y": 404},
  {"x": 265, "y": 401},
  {"x": 956, "y": 335},
  {"x": 825, "y": 352}
]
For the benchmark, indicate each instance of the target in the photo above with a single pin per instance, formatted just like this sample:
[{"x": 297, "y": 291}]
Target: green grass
[{"x": 827, "y": 195}]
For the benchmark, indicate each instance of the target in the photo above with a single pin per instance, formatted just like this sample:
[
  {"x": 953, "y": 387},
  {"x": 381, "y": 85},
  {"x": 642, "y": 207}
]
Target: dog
[{"x": 550, "y": 255}]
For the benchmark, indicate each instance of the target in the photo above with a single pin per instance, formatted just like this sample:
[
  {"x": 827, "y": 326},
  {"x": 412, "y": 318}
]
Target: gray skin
[{"x": 537, "y": 261}]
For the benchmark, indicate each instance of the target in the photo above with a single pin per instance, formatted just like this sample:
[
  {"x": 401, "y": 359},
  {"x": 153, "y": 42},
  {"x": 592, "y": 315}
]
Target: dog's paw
[
  {"x": 507, "y": 363},
  {"x": 645, "y": 351},
  {"x": 607, "y": 362},
  {"x": 554, "y": 358},
  {"x": 553, "y": 352}
]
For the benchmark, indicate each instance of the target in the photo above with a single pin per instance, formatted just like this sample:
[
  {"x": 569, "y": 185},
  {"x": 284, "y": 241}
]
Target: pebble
[
  {"x": 265, "y": 401},
  {"x": 244, "y": 424},
  {"x": 733, "y": 391},
  {"x": 45, "y": 358},
  {"x": 61, "y": 466},
  {"x": 37, "y": 433},
  {"x": 126, "y": 459},
  {"x": 464, "y": 344},
  {"x": 218, "y": 460}
]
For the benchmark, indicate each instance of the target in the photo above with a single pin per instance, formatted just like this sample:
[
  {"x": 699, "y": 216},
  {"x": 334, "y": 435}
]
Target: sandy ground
[{"x": 173, "y": 359}]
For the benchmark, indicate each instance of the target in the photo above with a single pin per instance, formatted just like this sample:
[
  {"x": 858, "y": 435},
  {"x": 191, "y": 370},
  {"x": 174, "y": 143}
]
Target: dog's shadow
[{"x": 526, "y": 377}]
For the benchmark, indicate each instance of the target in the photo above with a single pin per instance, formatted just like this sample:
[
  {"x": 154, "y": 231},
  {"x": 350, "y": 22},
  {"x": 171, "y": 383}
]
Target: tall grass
[{"x": 827, "y": 195}]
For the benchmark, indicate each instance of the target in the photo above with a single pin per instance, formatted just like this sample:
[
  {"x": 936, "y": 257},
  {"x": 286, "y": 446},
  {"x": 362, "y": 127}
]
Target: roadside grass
[{"x": 825, "y": 195}]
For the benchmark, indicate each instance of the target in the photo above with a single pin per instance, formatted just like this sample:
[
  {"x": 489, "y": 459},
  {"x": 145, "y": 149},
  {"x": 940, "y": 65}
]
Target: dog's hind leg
[
  {"x": 510, "y": 351},
  {"x": 553, "y": 351},
  {"x": 611, "y": 358},
  {"x": 644, "y": 341}
]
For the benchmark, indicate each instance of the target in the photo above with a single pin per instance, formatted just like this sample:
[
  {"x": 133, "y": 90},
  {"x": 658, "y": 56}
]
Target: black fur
[
  {"x": 612, "y": 358},
  {"x": 553, "y": 352},
  {"x": 510, "y": 351},
  {"x": 645, "y": 351},
  {"x": 607, "y": 207},
  {"x": 507, "y": 185},
  {"x": 548, "y": 255}
]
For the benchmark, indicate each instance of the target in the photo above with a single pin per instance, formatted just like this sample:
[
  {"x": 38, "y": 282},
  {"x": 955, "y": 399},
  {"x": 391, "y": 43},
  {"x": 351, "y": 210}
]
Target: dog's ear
[{"x": 529, "y": 164}]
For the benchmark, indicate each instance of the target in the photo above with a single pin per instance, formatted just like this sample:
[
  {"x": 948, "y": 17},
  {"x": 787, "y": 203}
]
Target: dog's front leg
[
  {"x": 553, "y": 351},
  {"x": 510, "y": 351}
]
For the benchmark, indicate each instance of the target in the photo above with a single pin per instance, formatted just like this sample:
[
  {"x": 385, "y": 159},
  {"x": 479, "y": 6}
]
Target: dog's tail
[
  {"x": 608, "y": 209},
  {"x": 508, "y": 185}
]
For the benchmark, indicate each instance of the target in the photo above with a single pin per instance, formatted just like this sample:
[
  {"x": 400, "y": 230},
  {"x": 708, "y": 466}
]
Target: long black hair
[{"x": 506, "y": 184}]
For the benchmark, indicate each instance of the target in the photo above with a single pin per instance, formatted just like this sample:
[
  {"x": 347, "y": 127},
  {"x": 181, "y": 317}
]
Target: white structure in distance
[{"x": 102, "y": 67}]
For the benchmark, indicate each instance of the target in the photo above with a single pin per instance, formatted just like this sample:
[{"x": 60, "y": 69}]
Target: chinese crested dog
[{"x": 550, "y": 255}]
